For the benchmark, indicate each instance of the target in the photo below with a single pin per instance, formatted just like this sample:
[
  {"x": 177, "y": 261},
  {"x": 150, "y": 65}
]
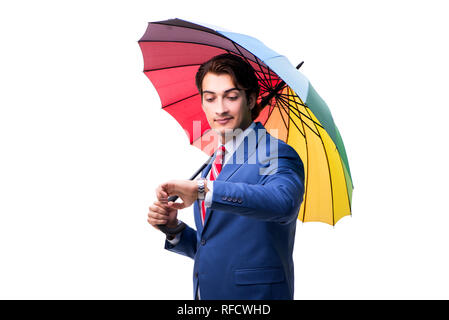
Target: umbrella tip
[{"x": 299, "y": 65}]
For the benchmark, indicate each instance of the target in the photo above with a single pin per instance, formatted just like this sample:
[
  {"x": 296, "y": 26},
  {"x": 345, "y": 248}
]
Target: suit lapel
[{"x": 199, "y": 223}]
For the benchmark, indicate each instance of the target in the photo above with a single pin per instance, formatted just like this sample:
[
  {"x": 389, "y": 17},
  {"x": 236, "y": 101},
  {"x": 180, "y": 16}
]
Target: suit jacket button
[
  {"x": 234, "y": 200},
  {"x": 203, "y": 242},
  {"x": 239, "y": 201},
  {"x": 223, "y": 198},
  {"x": 229, "y": 199}
]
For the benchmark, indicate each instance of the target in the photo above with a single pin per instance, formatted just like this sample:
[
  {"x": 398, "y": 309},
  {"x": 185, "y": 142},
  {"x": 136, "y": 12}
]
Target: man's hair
[{"x": 241, "y": 72}]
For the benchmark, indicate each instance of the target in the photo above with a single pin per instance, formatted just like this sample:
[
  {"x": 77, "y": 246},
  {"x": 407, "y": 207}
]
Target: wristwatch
[{"x": 201, "y": 188}]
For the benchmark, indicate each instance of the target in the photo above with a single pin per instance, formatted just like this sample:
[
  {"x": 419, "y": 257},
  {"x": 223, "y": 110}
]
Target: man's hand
[
  {"x": 187, "y": 190},
  {"x": 160, "y": 213}
]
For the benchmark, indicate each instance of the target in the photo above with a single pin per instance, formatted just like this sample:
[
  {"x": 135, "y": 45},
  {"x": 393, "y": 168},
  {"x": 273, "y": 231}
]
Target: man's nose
[{"x": 221, "y": 107}]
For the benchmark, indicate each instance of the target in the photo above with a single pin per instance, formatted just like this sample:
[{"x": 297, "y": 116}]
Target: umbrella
[{"x": 174, "y": 49}]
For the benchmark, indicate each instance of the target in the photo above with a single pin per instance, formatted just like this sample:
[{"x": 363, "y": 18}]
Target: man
[{"x": 246, "y": 203}]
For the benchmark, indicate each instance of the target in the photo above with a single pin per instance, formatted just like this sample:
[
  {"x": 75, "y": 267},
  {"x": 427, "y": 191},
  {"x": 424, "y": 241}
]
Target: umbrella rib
[
  {"x": 263, "y": 90},
  {"x": 327, "y": 161},
  {"x": 287, "y": 96},
  {"x": 294, "y": 95},
  {"x": 256, "y": 71},
  {"x": 299, "y": 112},
  {"x": 246, "y": 58},
  {"x": 168, "y": 105},
  {"x": 263, "y": 94},
  {"x": 263, "y": 66},
  {"x": 280, "y": 112},
  {"x": 269, "y": 76},
  {"x": 172, "y": 67},
  {"x": 308, "y": 166},
  {"x": 187, "y": 27},
  {"x": 306, "y": 182},
  {"x": 268, "y": 83},
  {"x": 269, "y": 80},
  {"x": 260, "y": 67},
  {"x": 264, "y": 86},
  {"x": 286, "y": 100},
  {"x": 262, "y": 80},
  {"x": 330, "y": 175},
  {"x": 266, "y": 91},
  {"x": 262, "y": 83},
  {"x": 285, "y": 105},
  {"x": 240, "y": 52},
  {"x": 290, "y": 118},
  {"x": 198, "y": 43},
  {"x": 288, "y": 113}
]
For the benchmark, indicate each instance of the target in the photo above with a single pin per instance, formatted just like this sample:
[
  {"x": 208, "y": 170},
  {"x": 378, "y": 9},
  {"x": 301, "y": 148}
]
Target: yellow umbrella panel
[{"x": 328, "y": 185}]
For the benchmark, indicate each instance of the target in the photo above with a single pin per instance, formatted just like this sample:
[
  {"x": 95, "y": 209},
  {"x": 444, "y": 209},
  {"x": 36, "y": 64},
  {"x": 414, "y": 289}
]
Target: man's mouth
[{"x": 223, "y": 120}]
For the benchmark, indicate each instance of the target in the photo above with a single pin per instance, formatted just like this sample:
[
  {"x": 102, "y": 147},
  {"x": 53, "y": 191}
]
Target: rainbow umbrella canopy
[{"x": 174, "y": 49}]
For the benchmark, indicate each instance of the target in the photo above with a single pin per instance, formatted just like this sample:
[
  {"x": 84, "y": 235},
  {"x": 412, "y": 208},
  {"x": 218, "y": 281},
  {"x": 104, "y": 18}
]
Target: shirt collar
[{"x": 232, "y": 144}]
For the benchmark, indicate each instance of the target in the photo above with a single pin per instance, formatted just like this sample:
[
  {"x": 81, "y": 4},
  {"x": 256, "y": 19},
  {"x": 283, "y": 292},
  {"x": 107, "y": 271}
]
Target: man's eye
[
  {"x": 209, "y": 99},
  {"x": 233, "y": 98}
]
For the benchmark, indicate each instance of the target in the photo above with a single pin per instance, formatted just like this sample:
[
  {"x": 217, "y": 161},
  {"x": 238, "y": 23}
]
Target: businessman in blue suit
[{"x": 247, "y": 199}]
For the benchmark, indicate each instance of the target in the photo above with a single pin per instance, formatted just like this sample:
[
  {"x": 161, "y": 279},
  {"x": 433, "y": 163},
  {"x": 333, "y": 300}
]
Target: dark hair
[{"x": 241, "y": 72}]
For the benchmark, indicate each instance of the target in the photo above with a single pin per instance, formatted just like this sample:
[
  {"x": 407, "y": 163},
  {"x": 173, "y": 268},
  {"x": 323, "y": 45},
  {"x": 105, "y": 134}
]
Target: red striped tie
[{"x": 214, "y": 172}]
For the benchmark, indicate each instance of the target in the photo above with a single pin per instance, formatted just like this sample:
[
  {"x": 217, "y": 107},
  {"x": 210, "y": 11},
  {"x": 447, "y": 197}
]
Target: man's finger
[
  {"x": 159, "y": 216},
  {"x": 162, "y": 204},
  {"x": 155, "y": 222},
  {"x": 161, "y": 193},
  {"x": 158, "y": 209},
  {"x": 169, "y": 188},
  {"x": 176, "y": 205}
]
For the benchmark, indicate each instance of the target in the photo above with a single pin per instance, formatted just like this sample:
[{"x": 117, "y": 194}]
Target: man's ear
[{"x": 252, "y": 101}]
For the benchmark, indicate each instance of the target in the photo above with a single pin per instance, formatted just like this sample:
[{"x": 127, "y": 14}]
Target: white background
[{"x": 84, "y": 143}]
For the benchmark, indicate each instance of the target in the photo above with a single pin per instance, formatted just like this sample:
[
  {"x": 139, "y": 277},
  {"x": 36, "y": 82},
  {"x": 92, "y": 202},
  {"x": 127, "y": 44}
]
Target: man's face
[{"x": 225, "y": 105}]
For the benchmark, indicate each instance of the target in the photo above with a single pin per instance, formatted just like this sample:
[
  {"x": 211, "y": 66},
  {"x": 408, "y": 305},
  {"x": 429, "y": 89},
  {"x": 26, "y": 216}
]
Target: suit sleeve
[
  {"x": 277, "y": 197},
  {"x": 187, "y": 243}
]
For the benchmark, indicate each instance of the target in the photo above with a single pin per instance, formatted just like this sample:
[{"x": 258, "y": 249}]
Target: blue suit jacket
[{"x": 244, "y": 250}]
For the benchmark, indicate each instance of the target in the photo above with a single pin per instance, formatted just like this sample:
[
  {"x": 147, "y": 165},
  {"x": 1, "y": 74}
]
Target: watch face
[{"x": 201, "y": 189}]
